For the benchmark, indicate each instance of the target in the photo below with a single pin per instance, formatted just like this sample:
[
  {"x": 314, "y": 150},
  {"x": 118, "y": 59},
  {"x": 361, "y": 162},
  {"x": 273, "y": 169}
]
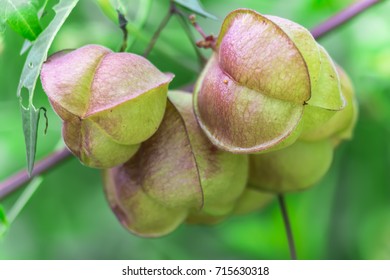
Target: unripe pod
[
  {"x": 296, "y": 167},
  {"x": 252, "y": 200},
  {"x": 109, "y": 102},
  {"x": 178, "y": 171},
  {"x": 252, "y": 94},
  {"x": 304, "y": 163},
  {"x": 341, "y": 124},
  {"x": 345, "y": 120},
  {"x": 203, "y": 218}
]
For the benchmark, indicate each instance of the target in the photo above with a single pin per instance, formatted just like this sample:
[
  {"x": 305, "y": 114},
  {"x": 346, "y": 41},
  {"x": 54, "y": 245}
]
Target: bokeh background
[{"x": 345, "y": 216}]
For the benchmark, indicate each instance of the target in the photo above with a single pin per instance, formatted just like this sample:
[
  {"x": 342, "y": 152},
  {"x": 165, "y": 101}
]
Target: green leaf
[
  {"x": 108, "y": 9},
  {"x": 30, "y": 119},
  {"x": 30, "y": 73},
  {"x": 27, "y": 44},
  {"x": 196, "y": 7},
  {"x": 22, "y": 17}
]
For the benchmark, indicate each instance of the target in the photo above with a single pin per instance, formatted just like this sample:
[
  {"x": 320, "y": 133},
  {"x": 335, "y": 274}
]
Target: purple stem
[
  {"x": 19, "y": 179},
  {"x": 342, "y": 17}
]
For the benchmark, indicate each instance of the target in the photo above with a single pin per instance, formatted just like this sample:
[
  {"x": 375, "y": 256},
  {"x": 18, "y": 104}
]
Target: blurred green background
[{"x": 345, "y": 216}]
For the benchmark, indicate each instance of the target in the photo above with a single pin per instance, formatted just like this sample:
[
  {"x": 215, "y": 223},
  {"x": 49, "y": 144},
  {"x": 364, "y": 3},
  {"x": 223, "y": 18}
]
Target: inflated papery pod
[
  {"x": 175, "y": 173},
  {"x": 340, "y": 125},
  {"x": 253, "y": 93},
  {"x": 251, "y": 199},
  {"x": 109, "y": 102},
  {"x": 294, "y": 168},
  {"x": 305, "y": 162}
]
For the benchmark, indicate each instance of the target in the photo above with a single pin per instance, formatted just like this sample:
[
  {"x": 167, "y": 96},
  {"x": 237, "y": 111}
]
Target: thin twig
[
  {"x": 342, "y": 17},
  {"x": 287, "y": 226},
  {"x": 160, "y": 28},
  {"x": 208, "y": 41},
  {"x": 123, "y": 26},
  {"x": 192, "y": 19},
  {"x": 19, "y": 179}
]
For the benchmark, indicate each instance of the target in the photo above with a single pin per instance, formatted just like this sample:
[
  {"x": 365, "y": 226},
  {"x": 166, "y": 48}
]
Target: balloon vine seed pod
[
  {"x": 252, "y": 94},
  {"x": 109, "y": 102},
  {"x": 294, "y": 168},
  {"x": 175, "y": 173},
  {"x": 338, "y": 126},
  {"x": 305, "y": 162}
]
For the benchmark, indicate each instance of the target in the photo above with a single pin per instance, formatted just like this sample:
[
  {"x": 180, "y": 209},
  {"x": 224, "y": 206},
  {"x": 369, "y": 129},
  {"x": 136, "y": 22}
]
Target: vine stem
[
  {"x": 342, "y": 17},
  {"x": 287, "y": 225},
  {"x": 122, "y": 25},
  {"x": 197, "y": 27},
  {"x": 19, "y": 179}
]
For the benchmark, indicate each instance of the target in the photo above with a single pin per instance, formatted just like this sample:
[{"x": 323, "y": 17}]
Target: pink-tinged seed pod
[
  {"x": 340, "y": 125},
  {"x": 109, "y": 102},
  {"x": 175, "y": 173},
  {"x": 252, "y": 94},
  {"x": 305, "y": 162}
]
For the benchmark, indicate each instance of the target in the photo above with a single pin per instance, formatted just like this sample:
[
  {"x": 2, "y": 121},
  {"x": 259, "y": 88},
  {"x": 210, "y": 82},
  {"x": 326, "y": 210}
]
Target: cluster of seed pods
[{"x": 265, "y": 116}]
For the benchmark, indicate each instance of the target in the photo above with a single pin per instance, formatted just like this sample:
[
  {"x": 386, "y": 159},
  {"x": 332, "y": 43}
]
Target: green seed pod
[
  {"x": 223, "y": 175},
  {"x": 205, "y": 219},
  {"x": 136, "y": 211},
  {"x": 109, "y": 102},
  {"x": 178, "y": 171},
  {"x": 252, "y": 200},
  {"x": 253, "y": 92},
  {"x": 337, "y": 126},
  {"x": 307, "y": 160},
  {"x": 296, "y": 167},
  {"x": 345, "y": 120}
]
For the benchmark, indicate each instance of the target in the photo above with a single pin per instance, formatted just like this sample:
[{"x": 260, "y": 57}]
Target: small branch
[
  {"x": 192, "y": 19},
  {"x": 122, "y": 25},
  {"x": 208, "y": 41},
  {"x": 342, "y": 17},
  {"x": 19, "y": 179},
  {"x": 160, "y": 28},
  {"x": 287, "y": 226}
]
